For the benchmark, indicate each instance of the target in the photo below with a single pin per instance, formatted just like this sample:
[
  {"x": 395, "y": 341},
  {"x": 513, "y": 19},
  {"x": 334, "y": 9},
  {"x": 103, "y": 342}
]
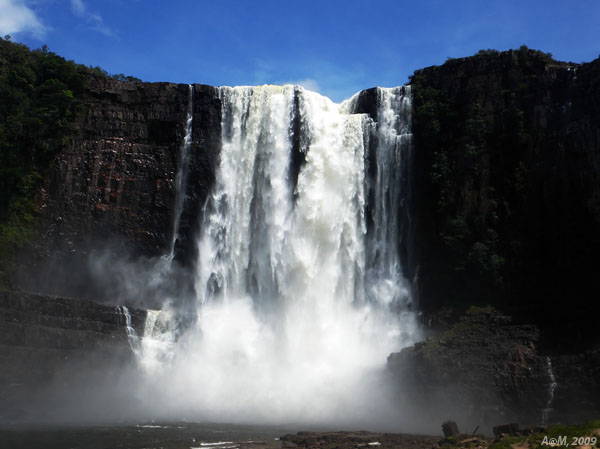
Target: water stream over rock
[{"x": 299, "y": 299}]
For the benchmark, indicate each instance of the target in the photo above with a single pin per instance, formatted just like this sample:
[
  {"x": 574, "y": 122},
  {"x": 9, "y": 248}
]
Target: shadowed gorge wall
[{"x": 507, "y": 162}]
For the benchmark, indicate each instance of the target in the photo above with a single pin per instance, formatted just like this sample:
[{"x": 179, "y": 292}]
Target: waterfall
[
  {"x": 132, "y": 337},
  {"x": 251, "y": 225},
  {"x": 157, "y": 345},
  {"x": 551, "y": 387},
  {"x": 182, "y": 173},
  {"x": 299, "y": 303},
  {"x": 248, "y": 213}
]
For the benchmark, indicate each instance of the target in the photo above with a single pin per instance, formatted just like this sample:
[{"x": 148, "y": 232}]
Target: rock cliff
[
  {"x": 112, "y": 189},
  {"x": 505, "y": 213},
  {"x": 485, "y": 369},
  {"x": 506, "y": 207},
  {"x": 47, "y": 341}
]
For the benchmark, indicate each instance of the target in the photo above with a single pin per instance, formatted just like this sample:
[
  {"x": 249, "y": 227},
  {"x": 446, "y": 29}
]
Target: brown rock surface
[{"x": 112, "y": 187}]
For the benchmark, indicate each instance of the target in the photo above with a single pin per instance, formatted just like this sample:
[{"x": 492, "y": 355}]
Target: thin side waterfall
[
  {"x": 132, "y": 337},
  {"x": 182, "y": 173},
  {"x": 162, "y": 282},
  {"x": 551, "y": 387},
  {"x": 299, "y": 303}
]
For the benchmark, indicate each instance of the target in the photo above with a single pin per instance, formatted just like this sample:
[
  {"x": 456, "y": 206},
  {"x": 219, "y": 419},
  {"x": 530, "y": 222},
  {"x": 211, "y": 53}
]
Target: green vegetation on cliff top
[
  {"x": 41, "y": 95},
  {"x": 39, "y": 99}
]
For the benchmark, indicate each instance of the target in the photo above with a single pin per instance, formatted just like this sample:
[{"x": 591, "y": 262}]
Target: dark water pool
[{"x": 179, "y": 435}]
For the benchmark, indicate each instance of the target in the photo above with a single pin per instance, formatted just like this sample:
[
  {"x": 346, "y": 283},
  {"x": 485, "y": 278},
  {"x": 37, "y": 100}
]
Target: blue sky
[{"x": 335, "y": 47}]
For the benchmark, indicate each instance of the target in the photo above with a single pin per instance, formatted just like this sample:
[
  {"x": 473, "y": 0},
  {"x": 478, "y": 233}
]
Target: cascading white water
[
  {"x": 551, "y": 387},
  {"x": 295, "y": 297},
  {"x": 385, "y": 281},
  {"x": 249, "y": 209},
  {"x": 182, "y": 172},
  {"x": 132, "y": 337},
  {"x": 157, "y": 344}
]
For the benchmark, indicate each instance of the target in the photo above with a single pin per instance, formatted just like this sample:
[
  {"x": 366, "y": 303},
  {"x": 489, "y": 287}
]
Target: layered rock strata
[
  {"x": 113, "y": 187},
  {"x": 46, "y": 341}
]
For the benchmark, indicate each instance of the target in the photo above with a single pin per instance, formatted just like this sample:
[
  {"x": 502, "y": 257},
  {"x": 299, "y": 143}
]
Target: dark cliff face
[
  {"x": 112, "y": 190},
  {"x": 507, "y": 156},
  {"x": 482, "y": 371},
  {"x": 505, "y": 212},
  {"x": 485, "y": 370},
  {"x": 50, "y": 345}
]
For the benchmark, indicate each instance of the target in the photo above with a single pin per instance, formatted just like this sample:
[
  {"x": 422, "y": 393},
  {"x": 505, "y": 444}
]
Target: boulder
[{"x": 450, "y": 428}]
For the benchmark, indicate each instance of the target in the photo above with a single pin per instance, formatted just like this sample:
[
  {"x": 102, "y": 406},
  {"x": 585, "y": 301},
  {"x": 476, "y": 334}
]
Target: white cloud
[
  {"x": 78, "y": 7},
  {"x": 17, "y": 17},
  {"x": 94, "y": 21}
]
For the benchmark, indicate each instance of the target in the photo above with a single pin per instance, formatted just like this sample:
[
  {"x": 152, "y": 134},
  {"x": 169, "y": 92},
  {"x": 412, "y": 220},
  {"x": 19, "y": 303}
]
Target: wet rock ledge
[
  {"x": 486, "y": 369},
  {"x": 342, "y": 440},
  {"x": 43, "y": 337}
]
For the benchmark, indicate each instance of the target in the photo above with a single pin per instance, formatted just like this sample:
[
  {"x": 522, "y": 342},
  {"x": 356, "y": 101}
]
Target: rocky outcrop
[
  {"x": 507, "y": 163},
  {"x": 577, "y": 393},
  {"x": 347, "y": 440},
  {"x": 485, "y": 369},
  {"x": 44, "y": 339},
  {"x": 113, "y": 187}
]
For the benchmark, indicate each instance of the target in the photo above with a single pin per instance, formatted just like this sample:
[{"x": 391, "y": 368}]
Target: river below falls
[{"x": 179, "y": 435}]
